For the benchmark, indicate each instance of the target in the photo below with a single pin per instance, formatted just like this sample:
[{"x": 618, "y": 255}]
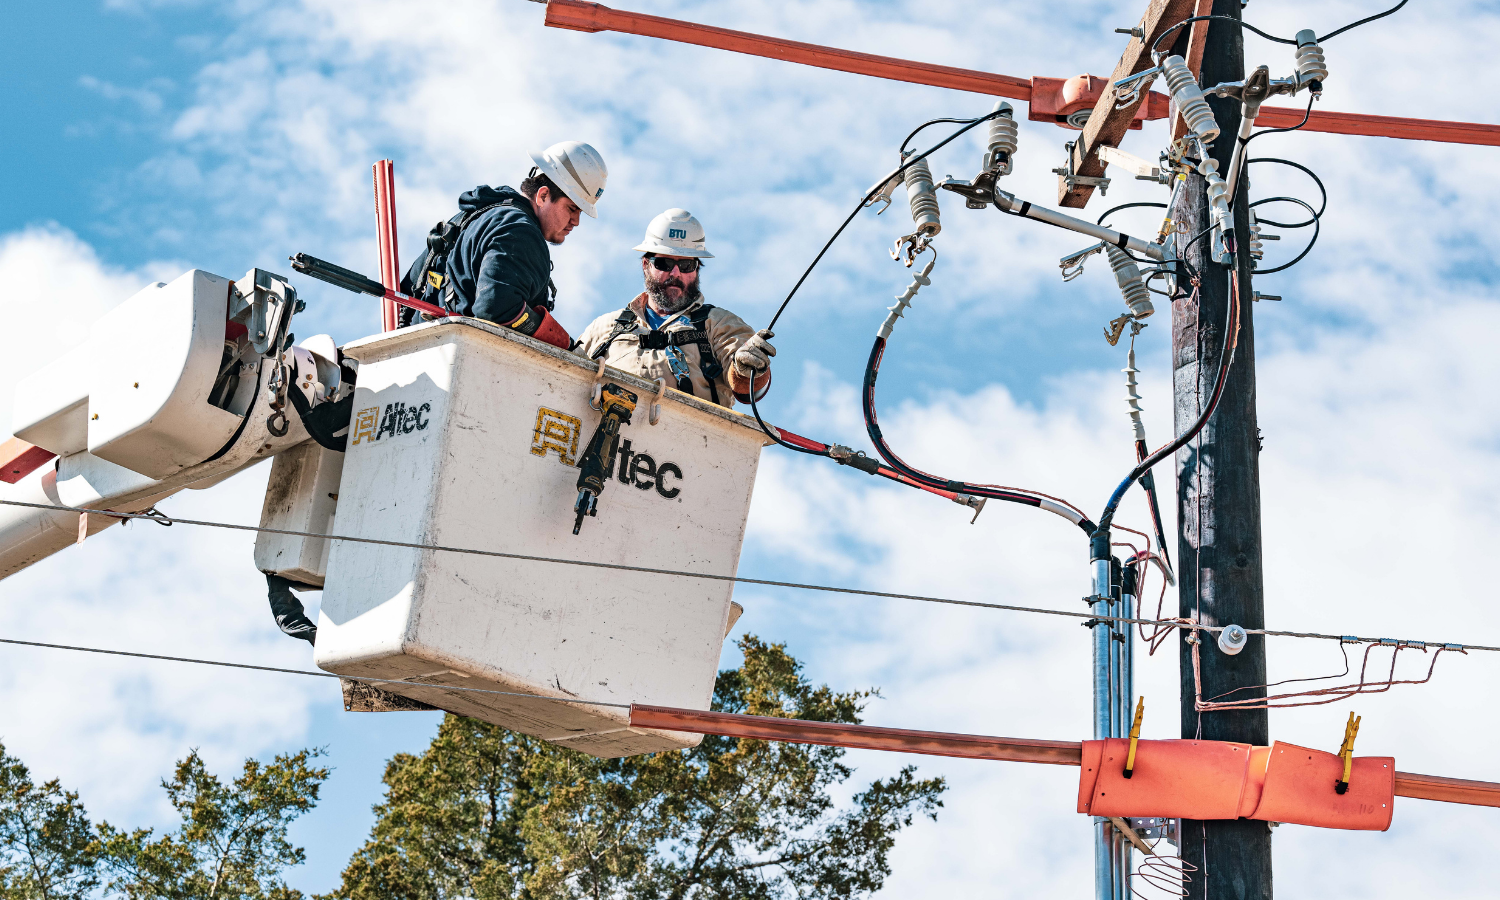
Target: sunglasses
[{"x": 667, "y": 263}]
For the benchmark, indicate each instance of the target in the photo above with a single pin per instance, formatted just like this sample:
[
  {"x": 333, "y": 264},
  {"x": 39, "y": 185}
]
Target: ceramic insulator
[
  {"x": 1311, "y": 63},
  {"x": 1132, "y": 286},
  {"x": 1189, "y": 98},
  {"x": 923, "y": 197},
  {"x": 1004, "y": 139}
]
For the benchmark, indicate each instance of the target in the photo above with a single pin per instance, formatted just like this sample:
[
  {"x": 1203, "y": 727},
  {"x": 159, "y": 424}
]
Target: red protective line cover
[
  {"x": 579, "y": 16},
  {"x": 1220, "y": 780},
  {"x": 1299, "y": 789},
  {"x": 1064, "y": 753},
  {"x": 1175, "y": 779}
]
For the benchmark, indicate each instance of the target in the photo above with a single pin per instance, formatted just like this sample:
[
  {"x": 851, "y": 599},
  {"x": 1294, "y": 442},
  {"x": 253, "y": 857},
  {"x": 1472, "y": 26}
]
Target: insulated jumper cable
[
  {"x": 933, "y": 482},
  {"x": 971, "y": 495},
  {"x": 1226, "y": 357}
]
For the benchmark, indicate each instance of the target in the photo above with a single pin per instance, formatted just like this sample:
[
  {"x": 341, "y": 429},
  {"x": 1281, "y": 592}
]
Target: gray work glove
[{"x": 754, "y": 355}]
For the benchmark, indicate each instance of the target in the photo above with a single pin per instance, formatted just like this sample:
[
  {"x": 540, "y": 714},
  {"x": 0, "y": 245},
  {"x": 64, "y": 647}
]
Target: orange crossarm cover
[
  {"x": 1176, "y": 779},
  {"x": 1222, "y": 780},
  {"x": 19, "y": 459},
  {"x": 1299, "y": 790}
]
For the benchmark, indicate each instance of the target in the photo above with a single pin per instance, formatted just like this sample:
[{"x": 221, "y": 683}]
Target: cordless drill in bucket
[{"x": 616, "y": 404}]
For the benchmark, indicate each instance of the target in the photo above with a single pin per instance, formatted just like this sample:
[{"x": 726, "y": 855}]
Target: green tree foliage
[
  {"x": 486, "y": 814},
  {"x": 232, "y": 843},
  {"x": 46, "y": 841}
]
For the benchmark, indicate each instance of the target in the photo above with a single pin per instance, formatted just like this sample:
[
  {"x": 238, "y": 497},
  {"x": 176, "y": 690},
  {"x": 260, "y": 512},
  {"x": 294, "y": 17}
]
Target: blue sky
[{"x": 149, "y": 137}]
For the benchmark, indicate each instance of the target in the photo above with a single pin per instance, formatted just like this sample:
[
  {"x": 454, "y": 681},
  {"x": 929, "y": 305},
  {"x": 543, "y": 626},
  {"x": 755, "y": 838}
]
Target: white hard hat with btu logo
[
  {"x": 675, "y": 232},
  {"x": 578, "y": 169}
]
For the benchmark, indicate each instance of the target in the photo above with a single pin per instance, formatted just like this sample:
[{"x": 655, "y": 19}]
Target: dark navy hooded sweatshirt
[{"x": 500, "y": 263}]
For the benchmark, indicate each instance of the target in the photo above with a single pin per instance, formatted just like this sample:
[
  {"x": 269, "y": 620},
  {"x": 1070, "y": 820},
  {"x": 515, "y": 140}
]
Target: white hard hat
[
  {"x": 578, "y": 169},
  {"x": 675, "y": 232}
]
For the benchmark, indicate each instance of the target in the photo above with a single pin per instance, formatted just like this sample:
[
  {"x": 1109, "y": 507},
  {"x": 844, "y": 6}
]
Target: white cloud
[
  {"x": 55, "y": 286},
  {"x": 1373, "y": 375}
]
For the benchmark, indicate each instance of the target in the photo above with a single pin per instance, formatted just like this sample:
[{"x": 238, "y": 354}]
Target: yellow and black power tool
[{"x": 598, "y": 461}]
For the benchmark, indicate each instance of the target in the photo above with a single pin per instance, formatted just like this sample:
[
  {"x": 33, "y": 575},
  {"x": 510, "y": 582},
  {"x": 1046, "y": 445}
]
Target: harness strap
[{"x": 708, "y": 364}]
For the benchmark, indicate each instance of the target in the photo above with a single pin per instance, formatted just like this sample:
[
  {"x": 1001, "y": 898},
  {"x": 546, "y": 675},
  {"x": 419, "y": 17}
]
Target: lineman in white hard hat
[
  {"x": 491, "y": 261},
  {"x": 669, "y": 332}
]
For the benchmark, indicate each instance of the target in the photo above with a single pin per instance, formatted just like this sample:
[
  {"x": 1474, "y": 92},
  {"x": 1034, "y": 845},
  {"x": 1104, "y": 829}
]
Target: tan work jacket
[{"x": 726, "y": 331}]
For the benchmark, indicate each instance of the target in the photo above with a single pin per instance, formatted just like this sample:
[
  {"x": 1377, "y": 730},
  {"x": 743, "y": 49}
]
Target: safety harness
[
  {"x": 432, "y": 284},
  {"x": 655, "y": 339}
]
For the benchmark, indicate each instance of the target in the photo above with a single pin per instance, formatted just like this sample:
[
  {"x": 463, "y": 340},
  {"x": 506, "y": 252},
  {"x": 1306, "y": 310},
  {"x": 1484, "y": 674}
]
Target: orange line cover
[
  {"x": 969, "y": 746},
  {"x": 576, "y": 15},
  {"x": 1222, "y": 780}
]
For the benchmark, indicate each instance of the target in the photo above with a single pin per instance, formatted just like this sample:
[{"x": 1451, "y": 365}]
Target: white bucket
[{"x": 468, "y": 435}]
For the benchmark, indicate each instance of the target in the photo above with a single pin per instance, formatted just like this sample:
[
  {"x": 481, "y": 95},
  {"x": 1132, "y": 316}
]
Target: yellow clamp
[
  {"x": 1346, "y": 752},
  {"x": 1135, "y": 735}
]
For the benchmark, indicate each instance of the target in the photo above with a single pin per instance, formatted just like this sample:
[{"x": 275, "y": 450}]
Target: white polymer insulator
[
  {"x": 1189, "y": 98},
  {"x": 1133, "y": 396},
  {"x": 1233, "y": 639},
  {"x": 1311, "y": 63},
  {"x": 1003, "y": 140},
  {"x": 922, "y": 194},
  {"x": 918, "y": 281},
  {"x": 1216, "y": 189},
  {"x": 1132, "y": 286}
]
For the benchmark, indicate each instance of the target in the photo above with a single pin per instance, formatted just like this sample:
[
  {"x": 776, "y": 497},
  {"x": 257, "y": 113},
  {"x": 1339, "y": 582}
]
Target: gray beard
[{"x": 662, "y": 302}]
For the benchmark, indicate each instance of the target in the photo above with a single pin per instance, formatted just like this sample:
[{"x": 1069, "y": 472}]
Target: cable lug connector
[{"x": 972, "y": 502}]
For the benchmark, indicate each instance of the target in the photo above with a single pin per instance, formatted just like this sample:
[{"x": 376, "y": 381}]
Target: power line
[
  {"x": 162, "y": 519},
  {"x": 231, "y": 665}
]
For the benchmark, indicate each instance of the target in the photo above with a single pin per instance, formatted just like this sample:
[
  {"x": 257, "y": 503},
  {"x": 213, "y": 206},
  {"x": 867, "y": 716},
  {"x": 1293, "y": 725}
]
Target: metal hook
[
  {"x": 597, "y": 388},
  {"x": 661, "y": 392}
]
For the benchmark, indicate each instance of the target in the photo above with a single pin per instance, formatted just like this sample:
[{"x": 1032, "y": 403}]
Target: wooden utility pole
[{"x": 1218, "y": 499}]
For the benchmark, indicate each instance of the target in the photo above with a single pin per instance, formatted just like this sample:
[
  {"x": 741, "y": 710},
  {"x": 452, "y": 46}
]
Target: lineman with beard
[
  {"x": 491, "y": 260},
  {"x": 669, "y": 332}
]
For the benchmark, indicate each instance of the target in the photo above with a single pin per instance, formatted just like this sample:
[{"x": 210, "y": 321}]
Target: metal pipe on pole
[{"x": 1218, "y": 496}]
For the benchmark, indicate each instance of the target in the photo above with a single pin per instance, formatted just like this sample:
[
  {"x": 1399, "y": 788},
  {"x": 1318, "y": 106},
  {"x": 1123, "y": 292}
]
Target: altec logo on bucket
[
  {"x": 559, "y": 433},
  {"x": 398, "y": 419}
]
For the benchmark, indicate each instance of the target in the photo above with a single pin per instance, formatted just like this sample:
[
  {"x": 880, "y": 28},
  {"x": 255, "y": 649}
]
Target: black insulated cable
[
  {"x": 1382, "y": 15},
  {"x": 906, "y": 164},
  {"x": 991, "y": 492}
]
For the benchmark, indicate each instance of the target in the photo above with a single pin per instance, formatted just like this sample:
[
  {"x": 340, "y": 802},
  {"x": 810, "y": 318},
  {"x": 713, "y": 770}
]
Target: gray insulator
[
  {"x": 1189, "y": 98},
  {"x": 1003, "y": 140},
  {"x": 1257, "y": 246},
  {"x": 1132, "y": 286},
  {"x": 923, "y": 197},
  {"x": 1311, "y": 64},
  {"x": 1217, "y": 191},
  {"x": 1133, "y": 396}
]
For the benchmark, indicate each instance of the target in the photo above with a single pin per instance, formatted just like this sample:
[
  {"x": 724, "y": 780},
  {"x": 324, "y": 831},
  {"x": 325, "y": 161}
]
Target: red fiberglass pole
[{"x": 385, "y": 227}]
